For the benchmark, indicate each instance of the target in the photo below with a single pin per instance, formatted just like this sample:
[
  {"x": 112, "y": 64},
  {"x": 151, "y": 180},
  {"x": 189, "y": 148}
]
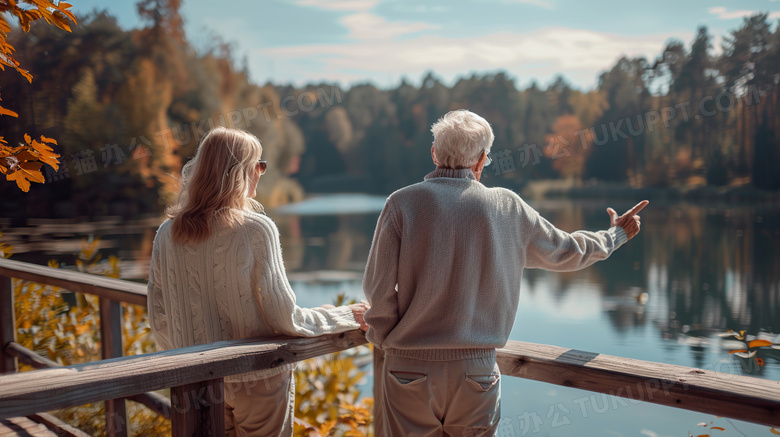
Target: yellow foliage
[
  {"x": 6, "y": 250},
  {"x": 56, "y": 14},
  {"x": 65, "y": 327},
  {"x": 326, "y": 395},
  {"x": 23, "y": 164}
]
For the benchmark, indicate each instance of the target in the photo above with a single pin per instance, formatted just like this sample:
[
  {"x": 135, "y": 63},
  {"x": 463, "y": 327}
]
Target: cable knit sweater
[
  {"x": 232, "y": 285},
  {"x": 444, "y": 270}
]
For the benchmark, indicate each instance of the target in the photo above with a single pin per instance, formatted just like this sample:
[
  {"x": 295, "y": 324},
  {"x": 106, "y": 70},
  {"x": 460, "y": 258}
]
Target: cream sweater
[
  {"x": 232, "y": 285},
  {"x": 444, "y": 270}
]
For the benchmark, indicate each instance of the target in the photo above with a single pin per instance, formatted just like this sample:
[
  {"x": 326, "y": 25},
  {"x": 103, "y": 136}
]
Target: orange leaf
[
  {"x": 60, "y": 21},
  {"x": 32, "y": 167},
  {"x": 25, "y": 73},
  {"x": 774, "y": 431},
  {"x": 24, "y": 155},
  {"x": 63, "y": 7},
  {"x": 27, "y": 139},
  {"x": 759, "y": 343},
  {"x": 20, "y": 179},
  {"x": 738, "y": 350},
  {"x": 52, "y": 161},
  {"x": 48, "y": 140},
  {"x": 4, "y": 111},
  {"x": 47, "y": 154},
  {"x": 23, "y": 176},
  {"x": 718, "y": 428},
  {"x": 33, "y": 175}
]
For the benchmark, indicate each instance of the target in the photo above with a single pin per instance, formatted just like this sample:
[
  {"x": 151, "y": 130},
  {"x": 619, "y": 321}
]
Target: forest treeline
[
  {"x": 111, "y": 98},
  {"x": 129, "y": 106},
  {"x": 686, "y": 118}
]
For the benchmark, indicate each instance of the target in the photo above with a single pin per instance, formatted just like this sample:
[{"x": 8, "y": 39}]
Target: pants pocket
[
  {"x": 408, "y": 378},
  {"x": 482, "y": 382}
]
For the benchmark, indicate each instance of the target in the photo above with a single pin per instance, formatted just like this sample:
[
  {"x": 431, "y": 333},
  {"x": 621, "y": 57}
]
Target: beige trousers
[
  {"x": 262, "y": 408},
  {"x": 460, "y": 398}
]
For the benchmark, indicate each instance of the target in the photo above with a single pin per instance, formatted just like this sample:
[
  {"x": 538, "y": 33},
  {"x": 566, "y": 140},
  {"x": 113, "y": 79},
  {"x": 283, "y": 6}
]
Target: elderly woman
[
  {"x": 443, "y": 280},
  {"x": 217, "y": 274}
]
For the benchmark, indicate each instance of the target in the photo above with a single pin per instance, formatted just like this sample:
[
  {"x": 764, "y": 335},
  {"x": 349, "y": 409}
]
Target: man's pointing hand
[{"x": 628, "y": 221}]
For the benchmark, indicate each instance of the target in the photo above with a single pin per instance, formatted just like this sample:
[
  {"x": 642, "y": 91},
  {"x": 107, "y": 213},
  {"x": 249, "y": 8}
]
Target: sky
[{"x": 385, "y": 41}]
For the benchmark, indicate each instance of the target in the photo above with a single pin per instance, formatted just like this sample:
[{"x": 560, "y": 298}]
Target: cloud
[
  {"x": 725, "y": 14},
  {"x": 579, "y": 54},
  {"x": 540, "y": 3},
  {"x": 365, "y": 26},
  {"x": 340, "y": 5}
]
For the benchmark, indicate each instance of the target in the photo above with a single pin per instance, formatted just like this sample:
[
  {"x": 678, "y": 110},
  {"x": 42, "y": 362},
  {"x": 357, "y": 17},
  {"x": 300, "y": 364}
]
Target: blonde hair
[
  {"x": 460, "y": 137},
  {"x": 215, "y": 185}
]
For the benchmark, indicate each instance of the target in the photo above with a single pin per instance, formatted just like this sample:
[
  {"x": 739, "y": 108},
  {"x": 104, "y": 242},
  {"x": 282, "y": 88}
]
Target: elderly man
[{"x": 443, "y": 279}]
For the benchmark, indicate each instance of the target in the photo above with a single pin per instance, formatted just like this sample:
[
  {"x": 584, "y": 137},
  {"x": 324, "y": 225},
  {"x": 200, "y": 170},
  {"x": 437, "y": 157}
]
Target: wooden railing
[
  {"x": 110, "y": 291},
  {"x": 195, "y": 374}
]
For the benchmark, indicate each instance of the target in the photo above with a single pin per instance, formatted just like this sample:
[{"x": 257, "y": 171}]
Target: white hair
[{"x": 460, "y": 137}]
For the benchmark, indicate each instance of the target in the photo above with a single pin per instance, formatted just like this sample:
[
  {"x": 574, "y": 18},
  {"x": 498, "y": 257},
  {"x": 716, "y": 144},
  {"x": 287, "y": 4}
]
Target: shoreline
[{"x": 556, "y": 189}]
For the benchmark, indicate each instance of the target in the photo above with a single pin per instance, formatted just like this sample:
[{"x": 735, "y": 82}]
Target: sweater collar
[{"x": 442, "y": 172}]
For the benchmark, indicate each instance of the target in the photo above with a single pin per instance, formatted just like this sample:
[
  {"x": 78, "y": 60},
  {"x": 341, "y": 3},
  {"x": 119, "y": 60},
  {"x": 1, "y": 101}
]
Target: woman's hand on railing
[{"x": 359, "y": 311}]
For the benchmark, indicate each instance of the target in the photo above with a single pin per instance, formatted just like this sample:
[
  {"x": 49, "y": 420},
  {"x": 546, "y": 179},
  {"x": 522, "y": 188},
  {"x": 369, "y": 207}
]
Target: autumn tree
[
  {"x": 695, "y": 81},
  {"x": 569, "y": 146},
  {"x": 619, "y": 136},
  {"x": 22, "y": 164},
  {"x": 164, "y": 17},
  {"x": 749, "y": 66}
]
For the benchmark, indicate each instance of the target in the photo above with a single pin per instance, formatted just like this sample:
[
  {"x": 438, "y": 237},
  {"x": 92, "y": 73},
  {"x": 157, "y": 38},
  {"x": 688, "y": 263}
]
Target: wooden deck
[
  {"x": 23, "y": 426},
  {"x": 38, "y": 425}
]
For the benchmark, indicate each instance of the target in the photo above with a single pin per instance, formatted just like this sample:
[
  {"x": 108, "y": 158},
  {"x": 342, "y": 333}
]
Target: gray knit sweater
[{"x": 444, "y": 271}]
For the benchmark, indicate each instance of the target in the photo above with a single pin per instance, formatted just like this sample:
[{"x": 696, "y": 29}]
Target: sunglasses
[{"x": 263, "y": 166}]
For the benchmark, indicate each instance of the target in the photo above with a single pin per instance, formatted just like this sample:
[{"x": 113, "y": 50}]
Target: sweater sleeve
[
  {"x": 550, "y": 248},
  {"x": 158, "y": 321},
  {"x": 278, "y": 299},
  {"x": 381, "y": 278}
]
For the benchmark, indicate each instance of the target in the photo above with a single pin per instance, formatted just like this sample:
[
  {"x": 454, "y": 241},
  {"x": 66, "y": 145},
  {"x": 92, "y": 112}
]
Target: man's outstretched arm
[{"x": 553, "y": 249}]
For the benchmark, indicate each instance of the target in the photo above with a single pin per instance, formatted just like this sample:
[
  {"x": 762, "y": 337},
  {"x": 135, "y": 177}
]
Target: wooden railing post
[
  {"x": 111, "y": 347},
  {"x": 7, "y": 325},
  {"x": 198, "y": 409}
]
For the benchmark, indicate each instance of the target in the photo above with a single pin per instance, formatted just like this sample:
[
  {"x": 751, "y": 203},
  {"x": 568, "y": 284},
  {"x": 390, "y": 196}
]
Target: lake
[{"x": 695, "y": 271}]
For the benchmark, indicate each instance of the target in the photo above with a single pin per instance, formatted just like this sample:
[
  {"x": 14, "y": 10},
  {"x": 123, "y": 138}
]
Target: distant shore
[{"x": 550, "y": 189}]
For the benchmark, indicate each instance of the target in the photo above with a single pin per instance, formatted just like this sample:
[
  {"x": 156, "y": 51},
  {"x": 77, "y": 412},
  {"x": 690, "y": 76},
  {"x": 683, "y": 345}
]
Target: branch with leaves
[{"x": 23, "y": 164}]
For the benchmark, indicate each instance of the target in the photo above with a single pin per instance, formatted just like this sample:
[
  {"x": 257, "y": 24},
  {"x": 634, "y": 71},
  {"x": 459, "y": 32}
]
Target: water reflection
[
  {"x": 312, "y": 243},
  {"x": 694, "y": 271},
  {"x": 705, "y": 270}
]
